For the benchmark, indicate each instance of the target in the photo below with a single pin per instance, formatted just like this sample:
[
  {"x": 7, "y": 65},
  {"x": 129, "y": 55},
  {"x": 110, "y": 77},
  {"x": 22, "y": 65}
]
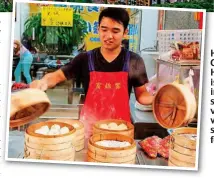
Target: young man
[{"x": 108, "y": 72}]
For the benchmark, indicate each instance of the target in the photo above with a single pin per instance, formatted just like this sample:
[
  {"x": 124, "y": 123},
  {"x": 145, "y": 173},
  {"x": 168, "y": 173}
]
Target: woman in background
[{"x": 25, "y": 62}]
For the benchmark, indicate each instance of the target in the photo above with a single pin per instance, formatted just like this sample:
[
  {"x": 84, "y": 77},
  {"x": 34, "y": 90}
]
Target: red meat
[
  {"x": 151, "y": 145},
  {"x": 19, "y": 86},
  {"x": 163, "y": 149}
]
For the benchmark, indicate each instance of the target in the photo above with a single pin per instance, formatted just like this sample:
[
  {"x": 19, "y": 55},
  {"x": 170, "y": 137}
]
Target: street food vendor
[
  {"x": 108, "y": 72},
  {"x": 25, "y": 62}
]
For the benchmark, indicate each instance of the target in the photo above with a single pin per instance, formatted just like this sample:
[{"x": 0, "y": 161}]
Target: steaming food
[
  {"x": 75, "y": 125},
  {"x": 113, "y": 143},
  {"x": 104, "y": 126},
  {"x": 114, "y": 126},
  {"x": 44, "y": 130},
  {"x": 122, "y": 127},
  {"x": 55, "y": 127},
  {"x": 54, "y": 130},
  {"x": 64, "y": 130}
]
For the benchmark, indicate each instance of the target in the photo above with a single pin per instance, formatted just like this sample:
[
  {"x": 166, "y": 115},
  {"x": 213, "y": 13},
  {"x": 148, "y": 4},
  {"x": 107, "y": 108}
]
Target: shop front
[{"x": 172, "y": 55}]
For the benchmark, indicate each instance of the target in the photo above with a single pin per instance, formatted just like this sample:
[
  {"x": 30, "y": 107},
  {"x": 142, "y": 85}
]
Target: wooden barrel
[
  {"x": 27, "y": 105},
  {"x": 128, "y": 132},
  {"x": 49, "y": 147},
  {"x": 174, "y": 106},
  {"x": 118, "y": 155},
  {"x": 182, "y": 151},
  {"x": 80, "y": 136}
]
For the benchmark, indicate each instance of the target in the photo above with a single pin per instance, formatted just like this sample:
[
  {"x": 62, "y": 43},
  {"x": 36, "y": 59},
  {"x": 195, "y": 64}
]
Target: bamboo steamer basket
[
  {"x": 174, "y": 106},
  {"x": 80, "y": 136},
  {"x": 101, "y": 154},
  {"x": 128, "y": 132},
  {"x": 49, "y": 147},
  {"x": 26, "y": 105},
  {"x": 182, "y": 148}
]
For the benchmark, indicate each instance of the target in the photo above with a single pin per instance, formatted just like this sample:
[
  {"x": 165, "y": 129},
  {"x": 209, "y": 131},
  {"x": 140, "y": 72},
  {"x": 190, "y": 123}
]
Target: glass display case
[
  {"x": 184, "y": 71},
  {"x": 181, "y": 72}
]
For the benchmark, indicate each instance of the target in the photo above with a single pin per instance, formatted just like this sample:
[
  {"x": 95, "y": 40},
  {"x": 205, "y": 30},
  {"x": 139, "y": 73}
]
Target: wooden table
[{"x": 16, "y": 150}]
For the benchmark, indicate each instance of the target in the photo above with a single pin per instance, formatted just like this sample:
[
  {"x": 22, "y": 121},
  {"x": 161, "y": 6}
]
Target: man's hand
[
  {"x": 50, "y": 80},
  {"x": 39, "y": 84},
  {"x": 143, "y": 96}
]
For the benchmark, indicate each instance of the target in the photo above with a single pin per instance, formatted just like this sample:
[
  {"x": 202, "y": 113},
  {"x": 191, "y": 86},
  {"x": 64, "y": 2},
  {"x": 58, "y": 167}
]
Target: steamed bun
[
  {"x": 54, "y": 132},
  {"x": 103, "y": 126},
  {"x": 64, "y": 130},
  {"x": 122, "y": 127},
  {"x": 75, "y": 125},
  {"x": 43, "y": 130},
  {"x": 55, "y": 127},
  {"x": 112, "y": 126}
]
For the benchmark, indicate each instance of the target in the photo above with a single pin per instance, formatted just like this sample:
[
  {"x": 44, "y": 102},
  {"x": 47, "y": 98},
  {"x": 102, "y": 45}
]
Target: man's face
[{"x": 111, "y": 33}]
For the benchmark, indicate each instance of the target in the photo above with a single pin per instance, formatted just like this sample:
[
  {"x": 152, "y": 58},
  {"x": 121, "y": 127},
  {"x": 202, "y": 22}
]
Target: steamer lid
[
  {"x": 174, "y": 106},
  {"x": 27, "y": 105}
]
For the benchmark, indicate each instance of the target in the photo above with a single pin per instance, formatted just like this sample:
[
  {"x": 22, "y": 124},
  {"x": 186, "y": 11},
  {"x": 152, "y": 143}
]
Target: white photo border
[{"x": 107, "y": 164}]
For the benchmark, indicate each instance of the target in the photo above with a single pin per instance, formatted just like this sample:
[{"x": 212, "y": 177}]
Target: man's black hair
[{"x": 118, "y": 14}]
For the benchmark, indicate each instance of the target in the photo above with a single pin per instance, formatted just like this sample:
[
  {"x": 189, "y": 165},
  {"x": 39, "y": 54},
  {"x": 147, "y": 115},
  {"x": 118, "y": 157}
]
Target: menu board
[{"x": 57, "y": 16}]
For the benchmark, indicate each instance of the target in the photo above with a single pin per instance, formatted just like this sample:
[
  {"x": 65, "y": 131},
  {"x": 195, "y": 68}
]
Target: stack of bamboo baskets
[
  {"x": 49, "y": 147},
  {"x": 174, "y": 107},
  {"x": 118, "y": 155},
  {"x": 26, "y": 106},
  {"x": 97, "y": 153},
  {"x": 183, "y": 147}
]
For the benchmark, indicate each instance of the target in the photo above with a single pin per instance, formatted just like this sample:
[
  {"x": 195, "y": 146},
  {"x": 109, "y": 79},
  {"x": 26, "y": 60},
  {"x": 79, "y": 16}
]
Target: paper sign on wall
[{"x": 57, "y": 16}]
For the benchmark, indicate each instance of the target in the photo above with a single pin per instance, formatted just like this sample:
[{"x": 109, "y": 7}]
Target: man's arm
[
  {"x": 49, "y": 80},
  {"x": 143, "y": 96}
]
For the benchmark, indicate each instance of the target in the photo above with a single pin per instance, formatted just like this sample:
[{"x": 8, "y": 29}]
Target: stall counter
[
  {"x": 16, "y": 151},
  {"x": 144, "y": 122}
]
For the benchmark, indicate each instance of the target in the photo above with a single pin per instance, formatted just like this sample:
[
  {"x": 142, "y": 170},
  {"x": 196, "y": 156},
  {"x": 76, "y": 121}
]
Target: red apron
[{"x": 107, "y": 96}]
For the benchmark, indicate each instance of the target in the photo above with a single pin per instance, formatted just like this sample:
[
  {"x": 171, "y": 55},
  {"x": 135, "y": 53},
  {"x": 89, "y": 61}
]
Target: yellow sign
[
  {"x": 90, "y": 15},
  {"x": 57, "y": 16},
  {"x": 63, "y": 16}
]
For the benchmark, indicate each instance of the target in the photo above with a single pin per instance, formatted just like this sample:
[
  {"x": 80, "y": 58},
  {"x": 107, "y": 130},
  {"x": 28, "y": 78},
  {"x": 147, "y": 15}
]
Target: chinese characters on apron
[{"x": 107, "y": 96}]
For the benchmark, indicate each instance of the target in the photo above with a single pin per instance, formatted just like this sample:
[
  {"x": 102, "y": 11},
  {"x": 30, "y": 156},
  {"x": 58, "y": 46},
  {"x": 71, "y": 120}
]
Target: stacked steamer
[
  {"x": 80, "y": 136},
  {"x": 50, "y": 145},
  {"x": 114, "y": 126},
  {"x": 42, "y": 140},
  {"x": 174, "y": 107},
  {"x": 112, "y": 142},
  {"x": 183, "y": 147},
  {"x": 111, "y": 148}
]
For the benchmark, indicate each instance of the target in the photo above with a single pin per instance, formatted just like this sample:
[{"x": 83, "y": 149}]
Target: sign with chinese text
[
  {"x": 57, "y": 16},
  {"x": 134, "y": 30},
  {"x": 90, "y": 14}
]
